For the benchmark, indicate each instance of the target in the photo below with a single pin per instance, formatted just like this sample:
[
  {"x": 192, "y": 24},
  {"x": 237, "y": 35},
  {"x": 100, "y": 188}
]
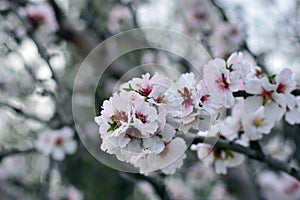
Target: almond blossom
[
  {"x": 219, "y": 158},
  {"x": 119, "y": 17},
  {"x": 226, "y": 39},
  {"x": 57, "y": 143},
  {"x": 41, "y": 17},
  {"x": 221, "y": 82},
  {"x": 257, "y": 123},
  {"x": 292, "y": 116}
]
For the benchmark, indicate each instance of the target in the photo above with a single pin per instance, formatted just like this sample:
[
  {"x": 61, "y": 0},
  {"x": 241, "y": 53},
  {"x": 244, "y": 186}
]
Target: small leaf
[
  {"x": 113, "y": 126},
  {"x": 128, "y": 89},
  {"x": 228, "y": 154},
  {"x": 229, "y": 67},
  {"x": 271, "y": 78}
]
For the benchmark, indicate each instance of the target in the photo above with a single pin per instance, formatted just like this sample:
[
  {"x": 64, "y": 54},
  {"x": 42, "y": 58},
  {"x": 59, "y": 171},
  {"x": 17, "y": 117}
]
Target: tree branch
[
  {"x": 41, "y": 49},
  {"x": 251, "y": 153},
  {"x": 11, "y": 152},
  {"x": 19, "y": 111},
  {"x": 85, "y": 43},
  {"x": 158, "y": 186},
  {"x": 244, "y": 94}
]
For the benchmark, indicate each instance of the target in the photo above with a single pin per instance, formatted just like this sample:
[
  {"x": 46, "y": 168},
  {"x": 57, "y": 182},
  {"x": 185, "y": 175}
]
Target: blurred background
[{"x": 42, "y": 45}]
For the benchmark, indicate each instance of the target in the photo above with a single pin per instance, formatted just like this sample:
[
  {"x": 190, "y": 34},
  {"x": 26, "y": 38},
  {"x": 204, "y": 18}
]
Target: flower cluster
[
  {"x": 268, "y": 99},
  {"x": 56, "y": 143},
  {"x": 139, "y": 123}
]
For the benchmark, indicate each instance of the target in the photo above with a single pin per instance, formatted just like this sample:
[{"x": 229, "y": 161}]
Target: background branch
[
  {"x": 251, "y": 153},
  {"x": 12, "y": 152},
  {"x": 21, "y": 112}
]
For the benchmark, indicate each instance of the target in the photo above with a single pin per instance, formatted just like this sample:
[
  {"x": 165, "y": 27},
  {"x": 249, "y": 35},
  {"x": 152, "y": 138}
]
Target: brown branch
[
  {"x": 244, "y": 94},
  {"x": 251, "y": 153},
  {"x": 11, "y": 152}
]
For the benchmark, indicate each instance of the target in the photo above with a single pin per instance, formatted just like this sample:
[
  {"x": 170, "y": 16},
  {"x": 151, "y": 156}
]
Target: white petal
[
  {"x": 70, "y": 147},
  {"x": 154, "y": 144},
  {"x": 220, "y": 167},
  {"x": 58, "y": 154}
]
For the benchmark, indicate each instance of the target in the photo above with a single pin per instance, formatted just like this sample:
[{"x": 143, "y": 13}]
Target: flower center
[
  {"x": 222, "y": 82},
  {"x": 146, "y": 91},
  {"x": 258, "y": 122},
  {"x": 133, "y": 133},
  {"x": 117, "y": 118},
  {"x": 37, "y": 18},
  {"x": 59, "y": 141},
  {"x": 266, "y": 96},
  {"x": 141, "y": 117},
  {"x": 186, "y": 95},
  {"x": 281, "y": 88},
  {"x": 199, "y": 15},
  {"x": 161, "y": 100},
  {"x": 204, "y": 98}
]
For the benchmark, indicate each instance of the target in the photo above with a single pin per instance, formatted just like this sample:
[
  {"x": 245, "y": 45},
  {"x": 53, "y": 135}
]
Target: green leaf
[
  {"x": 113, "y": 126},
  {"x": 271, "y": 78},
  {"x": 228, "y": 154},
  {"x": 229, "y": 67},
  {"x": 128, "y": 89},
  {"x": 159, "y": 136}
]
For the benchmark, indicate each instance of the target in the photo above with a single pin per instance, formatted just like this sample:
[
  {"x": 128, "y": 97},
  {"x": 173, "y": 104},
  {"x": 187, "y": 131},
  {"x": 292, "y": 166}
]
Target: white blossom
[
  {"x": 221, "y": 82},
  {"x": 57, "y": 143},
  {"x": 119, "y": 18},
  {"x": 41, "y": 16}
]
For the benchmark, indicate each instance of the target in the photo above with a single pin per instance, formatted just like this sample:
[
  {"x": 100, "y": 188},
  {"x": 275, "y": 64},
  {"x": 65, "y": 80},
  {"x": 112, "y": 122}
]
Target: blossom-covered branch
[
  {"x": 251, "y": 153},
  {"x": 141, "y": 122},
  {"x": 41, "y": 49}
]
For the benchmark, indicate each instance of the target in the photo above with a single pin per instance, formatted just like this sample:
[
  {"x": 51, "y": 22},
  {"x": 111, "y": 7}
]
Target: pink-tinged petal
[{"x": 284, "y": 75}]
